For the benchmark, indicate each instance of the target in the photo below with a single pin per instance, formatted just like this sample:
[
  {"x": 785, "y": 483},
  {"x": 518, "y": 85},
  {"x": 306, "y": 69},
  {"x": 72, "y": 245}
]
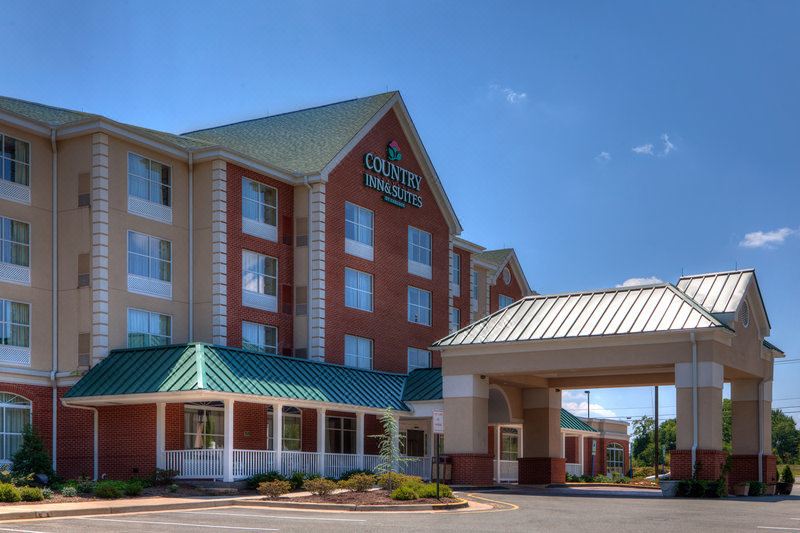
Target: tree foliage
[{"x": 31, "y": 457}]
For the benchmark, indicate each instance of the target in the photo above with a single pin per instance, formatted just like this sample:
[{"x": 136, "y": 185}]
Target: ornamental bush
[
  {"x": 428, "y": 490},
  {"x": 358, "y": 482},
  {"x": 163, "y": 476},
  {"x": 320, "y": 486},
  {"x": 274, "y": 489},
  {"x": 31, "y": 457},
  {"x": 31, "y": 494},
  {"x": 405, "y": 492},
  {"x": 756, "y": 488},
  {"x": 9, "y": 493},
  {"x": 109, "y": 489},
  {"x": 393, "y": 480},
  {"x": 133, "y": 487},
  {"x": 350, "y": 473},
  {"x": 297, "y": 480},
  {"x": 69, "y": 492},
  {"x": 84, "y": 485},
  {"x": 47, "y": 492},
  {"x": 787, "y": 476},
  {"x": 255, "y": 480}
]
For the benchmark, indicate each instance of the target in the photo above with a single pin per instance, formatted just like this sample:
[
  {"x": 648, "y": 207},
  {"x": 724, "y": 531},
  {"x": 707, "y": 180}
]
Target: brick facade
[
  {"x": 542, "y": 470},
  {"x": 745, "y": 468},
  {"x": 710, "y": 464},
  {"x": 472, "y": 469},
  {"x": 597, "y": 464},
  {"x": 462, "y": 302},
  {"x": 513, "y": 289}
]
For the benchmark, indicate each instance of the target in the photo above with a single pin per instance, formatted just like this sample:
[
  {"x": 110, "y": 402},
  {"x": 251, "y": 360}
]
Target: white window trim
[
  {"x": 455, "y": 286},
  {"x": 147, "y": 208},
  {"x": 128, "y": 324},
  {"x": 371, "y": 352},
  {"x": 260, "y": 349},
  {"x": 256, "y": 228},
  {"x": 18, "y": 355},
  {"x": 3, "y": 433},
  {"x": 257, "y": 300},
  {"x": 415, "y": 267},
  {"x": 271, "y": 421},
  {"x": 13, "y": 191},
  {"x": 408, "y": 306},
  {"x": 13, "y": 273},
  {"x": 144, "y": 284},
  {"x": 358, "y": 248},
  {"x": 341, "y": 432},
  {"x": 196, "y": 407},
  {"x": 371, "y": 293},
  {"x": 500, "y": 301}
]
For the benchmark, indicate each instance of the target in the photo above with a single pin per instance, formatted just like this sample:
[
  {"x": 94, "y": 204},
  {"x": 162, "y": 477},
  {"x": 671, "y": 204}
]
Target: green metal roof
[
  {"x": 423, "y": 384},
  {"x": 301, "y": 141},
  {"x": 195, "y": 367},
  {"x": 570, "y": 421}
]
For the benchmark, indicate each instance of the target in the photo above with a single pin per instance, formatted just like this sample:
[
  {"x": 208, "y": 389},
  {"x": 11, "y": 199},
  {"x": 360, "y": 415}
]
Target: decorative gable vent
[{"x": 744, "y": 313}]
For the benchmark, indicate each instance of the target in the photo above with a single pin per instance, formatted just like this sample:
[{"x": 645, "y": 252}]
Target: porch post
[
  {"x": 497, "y": 454},
  {"x": 161, "y": 421},
  {"x": 580, "y": 453},
  {"x": 227, "y": 452},
  {"x": 321, "y": 439},
  {"x": 360, "y": 439},
  {"x": 277, "y": 435}
]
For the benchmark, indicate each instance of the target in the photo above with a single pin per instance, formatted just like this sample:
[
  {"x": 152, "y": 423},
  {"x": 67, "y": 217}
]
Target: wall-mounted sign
[{"x": 399, "y": 184}]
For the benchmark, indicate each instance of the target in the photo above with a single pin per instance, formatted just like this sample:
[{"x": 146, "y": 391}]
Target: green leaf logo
[{"x": 393, "y": 152}]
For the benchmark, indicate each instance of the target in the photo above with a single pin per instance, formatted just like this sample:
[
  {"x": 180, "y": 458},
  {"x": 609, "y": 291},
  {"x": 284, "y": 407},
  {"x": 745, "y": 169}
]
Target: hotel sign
[{"x": 399, "y": 186}]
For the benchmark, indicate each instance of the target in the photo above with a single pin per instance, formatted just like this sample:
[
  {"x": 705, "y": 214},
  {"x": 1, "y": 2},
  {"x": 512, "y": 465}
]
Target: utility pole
[{"x": 655, "y": 439}]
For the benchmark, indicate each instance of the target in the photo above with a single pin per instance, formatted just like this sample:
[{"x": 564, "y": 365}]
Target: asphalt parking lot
[{"x": 513, "y": 510}]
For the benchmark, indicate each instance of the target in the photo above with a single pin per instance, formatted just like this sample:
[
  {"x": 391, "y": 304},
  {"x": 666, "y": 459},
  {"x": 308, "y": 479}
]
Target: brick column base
[
  {"x": 745, "y": 468},
  {"x": 472, "y": 469},
  {"x": 542, "y": 470},
  {"x": 711, "y": 463}
]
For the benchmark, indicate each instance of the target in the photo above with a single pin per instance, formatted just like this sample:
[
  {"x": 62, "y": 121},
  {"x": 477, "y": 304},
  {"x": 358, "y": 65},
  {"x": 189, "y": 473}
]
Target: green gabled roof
[
  {"x": 423, "y": 384},
  {"x": 189, "y": 367},
  {"x": 46, "y": 114},
  {"x": 496, "y": 258},
  {"x": 570, "y": 421},
  {"x": 303, "y": 141}
]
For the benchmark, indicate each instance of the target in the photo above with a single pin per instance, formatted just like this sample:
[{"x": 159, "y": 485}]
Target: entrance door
[{"x": 415, "y": 443}]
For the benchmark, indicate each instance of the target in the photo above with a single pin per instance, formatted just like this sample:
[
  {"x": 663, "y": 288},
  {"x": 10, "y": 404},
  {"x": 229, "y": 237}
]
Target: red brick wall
[
  {"x": 127, "y": 440},
  {"x": 238, "y": 241},
  {"x": 462, "y": 301},
  {"x": 745, "y": 468},
  {"x": 372, "y": 426},
  {"x": 249, "y": 426},
  {"x": 512, "y": 289},
  {"x": 472, "y": 469},
  {"x": 309, "y": 430},
  {"x": 542, "y": 470},
  {"x": 173, "y": 439},
  {"x": 600, "y": 458},
  {"x": 710, "y": 462},
  {"x": 571, "y": 449},
  {"x": 75, "y": 446},
  {"x": 388, "y": 324}
]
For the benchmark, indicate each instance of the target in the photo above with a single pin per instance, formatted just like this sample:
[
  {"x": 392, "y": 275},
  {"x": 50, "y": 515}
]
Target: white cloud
[
  {"x": 603, "y": 157},
  {"x": 668, "y": 146},
  {"x": 574, "y": 401},
  {"x": 645, "y": 149},
  {"x": 650, "y": 149},
  {"x": 511, "y": 96},
  {"x": 635, "y": 282},
  {"x": 767, "y": 239}
]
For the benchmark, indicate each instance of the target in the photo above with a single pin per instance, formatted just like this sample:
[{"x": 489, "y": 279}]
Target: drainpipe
[
  {"x": 191, "y": 248},
  {"x": 54, "y": 298},
  {"x": 695, "y": 429},
  {"x": 760, "y": 420}
]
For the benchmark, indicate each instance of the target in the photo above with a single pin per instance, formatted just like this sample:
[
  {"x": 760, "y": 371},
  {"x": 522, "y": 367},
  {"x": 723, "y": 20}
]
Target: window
[
  {"x": 455, "y": 274},
  {"x": 149, "y": 265},
  {"x": 15, "y": 324},
  {"x": 203, "y": 427},
  {"x": 504, "y": 300},
  {"x": 506, "y": 276},
  {"x": 357, "y": 289},
  {"x": 149, "y": 188},
  {"x": 615, "y": 459},
  {"x": 292, "y": 429},
  {"x": 16, "y": 157},
  {"x": 15, "y": 251},
  {"x": 744, "y": 314},
  {"x": 15, "y": 412},
  {"x": 419, "y": 306},
  {"x": 358, "y": 352},
  {"x": 455, "y": 319},
  {"x": 419, "y": 252},
  {"x": 259, "y": 209},
  {"x": 418, "y": 359},
  {"x": 358, "y": 231},
  {"x": 259, "y": 338},
  {"x": 341, "y": 434},
  {"x": 259, "y": 281},
  {"x": 509, "y": 444},
  {"x": 473, "y": 284},
  {"x": 148, "y": 329}
]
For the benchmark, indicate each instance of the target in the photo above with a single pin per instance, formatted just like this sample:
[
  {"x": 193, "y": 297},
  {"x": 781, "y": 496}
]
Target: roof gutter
[{"x": 54, "y": 297}]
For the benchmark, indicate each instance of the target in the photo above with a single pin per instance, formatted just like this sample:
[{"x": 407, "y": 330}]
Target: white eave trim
[
  {"x": 469, "y": 246},
  {"x": 24, "y": 123}
]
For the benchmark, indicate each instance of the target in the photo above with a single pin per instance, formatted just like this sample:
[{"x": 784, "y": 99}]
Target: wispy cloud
[
  {"x": 575, "y": 402},
  {"x": 644, "y": 149},
  {"x": 767, "y": 239},
  {"x": 635, "y": 282},
  {"x": 667, "y": 147},
  {"x": 603, "y": 157},
  {"x": 510, "y": 95}
]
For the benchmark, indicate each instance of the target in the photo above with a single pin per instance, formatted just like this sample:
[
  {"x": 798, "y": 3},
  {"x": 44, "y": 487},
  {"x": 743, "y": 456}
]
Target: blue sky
[{"x": 604, "y": 141}]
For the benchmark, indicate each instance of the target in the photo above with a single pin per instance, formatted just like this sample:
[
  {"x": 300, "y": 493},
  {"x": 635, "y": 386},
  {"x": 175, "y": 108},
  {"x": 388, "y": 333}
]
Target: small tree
[
  {"x": 389, "y": 444},
  {"x": 31, "y": 458}
]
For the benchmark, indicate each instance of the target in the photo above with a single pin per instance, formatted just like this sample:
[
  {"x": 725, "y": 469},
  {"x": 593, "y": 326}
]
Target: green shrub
[
  {"x": 84, "y": 485},
  {"x": 109, "y": 489},
  {"x": 428, "y": 490},
  {"x": 572, "y": 478},
  {"x": 47, "y": 492},
  {"x": 9, "y": 493},
  {"x": 173, "y": 488},
  {"x": 787, "y": 476},
  {"x": 586, "y": 478},
  {"x": 297, "y": 479},
  {"x": 684, "y": 488},
  {"x": 698, "y": 488},
  {"x": 643, "y": 471},
  {"x": 273, "y": 489},
  {"x": 31, "y": 494},
  {"x": 393, "y": 480},
  {"x": 406, "y": 491},
  {"x": 319, "y": 486},
  {"x": 350, "y": 473},
  {"x": 69, "y": 492},
  {"x": 31, "y": 457},
  {"x": 600, "y": 478},
  {"x": 756, "y": 488},
  {"x": 255, "y": 480},
  {"x": 133, "y": 487},
  {"x": 163, "y": 476},
  {"x": 619, "y": 478},
  {"x": 358, "y": 482}
]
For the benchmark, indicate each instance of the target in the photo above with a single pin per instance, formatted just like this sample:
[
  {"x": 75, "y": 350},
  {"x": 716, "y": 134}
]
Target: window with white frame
[
  {"x": 473, "y": 284},
  {"x": 455, "y": 273},
  {"x": 203, "y": 427},
  {"x": 16, "y": 158},
  {"x": 340, "y": 434},
  {"x": 504, "y": 300},
  {"x": 455, "y": 319},
  {"x": 615, "y": 459},
  {"x": 419, "y": 252},
  {"x": 418, "y": 359},
  {"x": 15, "y": 326},
  {"x": 259, "y": 209},
  {"x": 146, "y": 328},
  {"x": 358, "y": 231},
  {"x": 149, "y": 265},
  {"x": 259, "y": 338},
  {"x": 358, "y": 352},
  {"x": 15, "y": 412},
  {"x": 509, "y": 444},
  {"x": 149, "y": 180},
  {"x": 15, "y": 251},
  {"x": 259, "y": 281},
  {"x": 419, "y": 306},
  {"x": 357, "y": 289},
  {"x": 292, "y": 429}
]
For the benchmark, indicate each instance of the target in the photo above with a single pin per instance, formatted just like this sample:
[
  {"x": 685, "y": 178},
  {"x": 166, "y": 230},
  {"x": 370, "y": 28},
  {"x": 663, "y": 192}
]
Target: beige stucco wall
[
  {"x": 202, "y": 251},
  {"x": 300, "y": 266},
  {"x": 465, "y": 425}
]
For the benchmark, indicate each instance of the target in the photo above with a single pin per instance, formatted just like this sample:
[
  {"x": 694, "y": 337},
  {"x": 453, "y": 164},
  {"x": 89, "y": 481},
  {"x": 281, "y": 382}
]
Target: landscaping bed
[{"x": 373, "y": 497}]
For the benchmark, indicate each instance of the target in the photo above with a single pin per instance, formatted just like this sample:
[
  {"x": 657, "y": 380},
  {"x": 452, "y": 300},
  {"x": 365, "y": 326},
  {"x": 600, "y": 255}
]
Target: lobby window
[
  {"x": 419, "y": 306},
  {"x": 419, "y": 252},
  {"x": 504, "y": 300},
  {"x": 148, "y": 329},
  {"x": 15, "y": 412},
  {"x": 259, "y": 281},
  {"x": 455, "y": 274},
  {"x": 340, "y": 434},
  {"x": 292, "y": 429},
  {"x": 259, "y": 338},
  {"x": 16, "y": 170},
  {"x": 358, "y": 231},
  {"x": 203, "y": 427},
  {"x": 149, "y": 265},
  {"x": 455, "y": 319},
  {"x": 358, "y": 352},
  {"x": 15, "y": 332},
  {"x": 259, "y": 210},
  {"x": 418, "y": 359},
  {"x": 509, "y": 444},
  {"x": 615, "y": 459},
  {"x": 357, "y": 289},
  {"x": 15, "y": 251},
  {"x": 149, "y": 188}
]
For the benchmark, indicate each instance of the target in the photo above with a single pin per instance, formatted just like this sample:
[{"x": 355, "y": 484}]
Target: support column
[
  {"x": 581, "y": 446},
  {"x": 705, "y": 433},
  {"x": 497, "y": 456},
  {"x": 227, "y": 452},
  {"x": 161, "y": 438},
  {"x": 219, "y": 252},
  {"x": 751, "y": 432},
  {"x": 316, "y": 290},
  {"x": 277, "y": 436},
  {"x": 543, "y": 462},
  {"x": 360, "y": 439},
  {"x": 466, "y": 418},
  {"x": 321, "y": 426}
]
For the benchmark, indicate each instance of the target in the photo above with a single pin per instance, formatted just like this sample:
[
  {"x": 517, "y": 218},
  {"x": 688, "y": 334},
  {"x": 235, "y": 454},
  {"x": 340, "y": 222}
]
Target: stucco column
[
  {"x": 277, "y": 436},
  {"x": 543, "y": 461},
  {"x": 466, "y": 418},
  {"x": 321, "y": 426},
  {"x": 161, "y": 423},
  {"x": 227, "y": 452},
  {"x": 751, "y": 431},
  {"x": 708, "y": 440}
]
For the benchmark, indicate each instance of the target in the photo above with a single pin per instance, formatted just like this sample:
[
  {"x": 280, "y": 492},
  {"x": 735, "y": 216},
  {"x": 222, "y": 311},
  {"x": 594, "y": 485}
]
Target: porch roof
[
  {"x": 570, "y": 421},
  {"x": 203, "y": 367}
]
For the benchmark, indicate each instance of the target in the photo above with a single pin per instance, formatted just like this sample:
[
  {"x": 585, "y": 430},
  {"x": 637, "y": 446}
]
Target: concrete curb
[
  {"x": 615, "y": 485},
  {"x": 461, "y": 504}
]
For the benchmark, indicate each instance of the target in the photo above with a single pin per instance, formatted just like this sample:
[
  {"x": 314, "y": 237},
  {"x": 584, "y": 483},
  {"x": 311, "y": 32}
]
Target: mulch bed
[
  {"x": 374, "y": 497},
  {"x": 163, "y": 491}
]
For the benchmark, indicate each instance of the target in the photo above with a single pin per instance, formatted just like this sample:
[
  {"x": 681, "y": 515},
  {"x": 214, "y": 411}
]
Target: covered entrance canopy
[{"x": 706, "y": 330}]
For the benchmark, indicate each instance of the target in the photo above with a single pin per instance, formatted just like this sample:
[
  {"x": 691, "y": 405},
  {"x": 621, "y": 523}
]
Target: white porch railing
[
  {"x": 337, "y": 464},
  {"x": 195, "y": 464},
  {"x": 248, "y": 463},
  {"x": 371, "y": 462},
  {"x": 574, "y": 469},
  {"x": 416, "y": 466},
  {"x": 292, "y": 462},
  {"x": 509, "y": 471}
]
